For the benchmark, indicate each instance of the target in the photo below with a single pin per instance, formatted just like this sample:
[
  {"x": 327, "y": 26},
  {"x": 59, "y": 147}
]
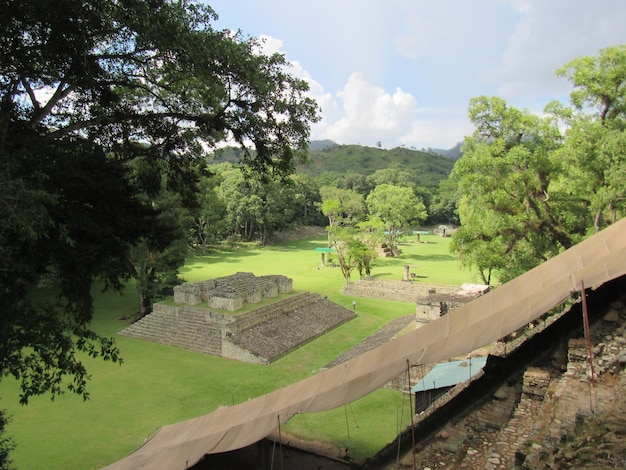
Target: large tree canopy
[
  {"x": 86, "y": 88},
  {"x": 595, "y": 148},
  {"x": 531, "y": 185},
  {"x": 508, "y": 198}
]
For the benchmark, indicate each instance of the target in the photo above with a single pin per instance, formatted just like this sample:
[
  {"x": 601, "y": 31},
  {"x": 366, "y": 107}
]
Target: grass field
[{"x": 159, "y": 385}]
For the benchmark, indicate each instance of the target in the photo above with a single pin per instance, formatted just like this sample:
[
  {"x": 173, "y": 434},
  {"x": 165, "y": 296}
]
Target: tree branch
[
  {"x": 61, "y": 92},
  {"x": 139, "y": 118},
  {"x": 31, "y": 93}
]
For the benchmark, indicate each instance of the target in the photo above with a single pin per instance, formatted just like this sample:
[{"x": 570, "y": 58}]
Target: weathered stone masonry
[{"x": 259, "y": 336}]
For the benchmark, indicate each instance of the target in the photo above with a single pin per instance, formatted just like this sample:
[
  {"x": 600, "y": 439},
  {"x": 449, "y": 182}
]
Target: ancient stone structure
[
  {"x": 231, "y": 292},
  {"x": 432, "y": 300},
  {"x": 438, "y": 302},
  {"x": 260, "y": 336}
]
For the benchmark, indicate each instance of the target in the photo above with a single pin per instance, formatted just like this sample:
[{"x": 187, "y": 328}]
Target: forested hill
[{"x": 426, "y": 168}]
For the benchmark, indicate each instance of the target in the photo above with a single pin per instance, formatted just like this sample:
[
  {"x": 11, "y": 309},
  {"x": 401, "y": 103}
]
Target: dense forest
[{"x": 329, "y": 160}]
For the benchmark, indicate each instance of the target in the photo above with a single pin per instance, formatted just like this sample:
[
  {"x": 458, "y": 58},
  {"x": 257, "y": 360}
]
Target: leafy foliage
[
  {"x": 6, "y": 443},
  {"x": 424, "y": 169},
  {"x": 396, "y": 206},
  {"x": 594, "y": 149},
  {"x": 101, "y": 102},
  {"x": 532, "y": 186}
]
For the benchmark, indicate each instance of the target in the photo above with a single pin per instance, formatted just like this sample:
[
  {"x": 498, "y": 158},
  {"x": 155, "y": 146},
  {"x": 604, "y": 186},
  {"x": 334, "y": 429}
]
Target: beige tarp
[{"x": 479, "y": 323}]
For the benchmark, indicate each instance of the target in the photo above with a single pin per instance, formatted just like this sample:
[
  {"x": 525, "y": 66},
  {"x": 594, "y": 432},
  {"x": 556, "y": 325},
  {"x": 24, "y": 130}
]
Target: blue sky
[{"x": 402, "y": 72}]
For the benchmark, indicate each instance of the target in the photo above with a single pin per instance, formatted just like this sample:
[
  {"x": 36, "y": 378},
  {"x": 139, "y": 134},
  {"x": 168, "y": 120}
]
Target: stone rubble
[{"x": 556, "y": 417}]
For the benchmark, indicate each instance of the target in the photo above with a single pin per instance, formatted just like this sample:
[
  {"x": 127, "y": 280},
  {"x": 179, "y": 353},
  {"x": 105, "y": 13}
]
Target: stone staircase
[
  {"x": 261, "y": 335},
  {"x": 300, "y": 321},
  {"x": 185, "y": 327}
]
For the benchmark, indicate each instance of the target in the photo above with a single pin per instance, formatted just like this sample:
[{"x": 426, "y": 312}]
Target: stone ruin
[
  {"x": 231, "y": 292},
  {"x": 205, "y": 318},
  {"x": 432, "y": 300},
  {"x": 441, "y": 301}
]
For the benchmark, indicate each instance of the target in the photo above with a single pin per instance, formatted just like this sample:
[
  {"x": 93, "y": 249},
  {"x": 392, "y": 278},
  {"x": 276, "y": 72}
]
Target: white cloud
[
  {"x": 411, "y": 53},
  {"x": 269, "y": 44},
  {"x": 364, "y": 113},
  {"x": 368, "y": 114}
]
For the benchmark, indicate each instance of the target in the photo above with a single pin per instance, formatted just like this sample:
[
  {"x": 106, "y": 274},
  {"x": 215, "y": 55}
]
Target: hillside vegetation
[{"x": 428, "y": 168}]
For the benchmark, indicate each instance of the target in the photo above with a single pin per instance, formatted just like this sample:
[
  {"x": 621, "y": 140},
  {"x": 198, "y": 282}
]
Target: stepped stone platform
[
  {"x": 309, "y": 317},
  {"x": 259, "y": 336}
]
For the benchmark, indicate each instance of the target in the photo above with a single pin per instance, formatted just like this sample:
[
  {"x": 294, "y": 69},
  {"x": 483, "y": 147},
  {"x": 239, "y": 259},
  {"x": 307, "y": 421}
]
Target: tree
[
  {"x": 356, "y": 182},
  {"x": 372, "y": 233},
  {"x": 159, "y": 255},
  {"x": 594, "y": 148},
  {"x": 529, "y": 190},
  {"x": 343, "y": 207},
  {"x": 208, "y": 219},
  {"x": 348, "y": 249},
  {"x": 307, "y": 195},
  {"x": 396, "y": 206},
  {"x": 479, "y": 243},
  {"x": 257, "y": 208},
  {"x": 393, "y": 176},
  {"x": 7, "y": 444},
  {"x": 509, "y": 206},
  {"x": 85, "y": 89},
  {"x": 444, "y": 204}
]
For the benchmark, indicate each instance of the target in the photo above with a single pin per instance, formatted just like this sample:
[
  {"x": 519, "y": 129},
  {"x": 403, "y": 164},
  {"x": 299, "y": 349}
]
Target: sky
[{"x": 402, "y": 72}]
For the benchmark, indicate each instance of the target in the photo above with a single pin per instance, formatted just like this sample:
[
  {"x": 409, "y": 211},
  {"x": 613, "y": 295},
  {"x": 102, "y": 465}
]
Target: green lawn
[{"x": 158, "y": 384}]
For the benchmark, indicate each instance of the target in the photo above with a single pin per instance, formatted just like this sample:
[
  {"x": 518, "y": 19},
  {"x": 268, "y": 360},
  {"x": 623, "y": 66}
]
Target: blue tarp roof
[{"x": 448, "y": 374}]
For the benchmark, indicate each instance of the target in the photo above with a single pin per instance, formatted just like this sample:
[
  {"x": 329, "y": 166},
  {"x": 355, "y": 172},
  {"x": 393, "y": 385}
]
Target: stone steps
[
  {"x": 261, "y": 335},
  {"x": 300, "y": 322},
  {"x": 188, "y": 329}
]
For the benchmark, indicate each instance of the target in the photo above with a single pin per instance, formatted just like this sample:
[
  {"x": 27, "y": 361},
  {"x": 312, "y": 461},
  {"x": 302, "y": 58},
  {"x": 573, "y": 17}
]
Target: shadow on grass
[
  {"x": 239, "y": 254},
  {"x": 432, "y": 257},
  {"x": 305, "y": 245},
  {"x": 218, "y": 256},
  {"x": 381, "y": 275}
]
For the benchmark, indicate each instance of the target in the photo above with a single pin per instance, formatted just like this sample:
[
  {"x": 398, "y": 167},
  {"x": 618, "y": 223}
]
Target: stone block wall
[
  {"x": 231, "y": 292},
  {"x": 187, "y": 327},
  {"x": 432, "y": 300},
  {"x": 399, "y": 291}
]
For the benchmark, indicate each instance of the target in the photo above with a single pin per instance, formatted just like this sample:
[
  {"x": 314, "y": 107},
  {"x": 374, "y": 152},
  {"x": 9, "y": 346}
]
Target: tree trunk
[
  {"x": 145, "y": 305},
  {"x": 596, "y": 222}
]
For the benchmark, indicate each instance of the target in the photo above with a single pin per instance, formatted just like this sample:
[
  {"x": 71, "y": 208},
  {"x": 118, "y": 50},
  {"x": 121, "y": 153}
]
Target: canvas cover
[{"x": 479, "y": 323}]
